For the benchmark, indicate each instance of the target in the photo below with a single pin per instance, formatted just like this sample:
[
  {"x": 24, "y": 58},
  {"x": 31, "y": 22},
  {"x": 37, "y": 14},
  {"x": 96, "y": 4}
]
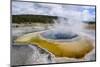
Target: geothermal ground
[{"x": 22, "y": 55}]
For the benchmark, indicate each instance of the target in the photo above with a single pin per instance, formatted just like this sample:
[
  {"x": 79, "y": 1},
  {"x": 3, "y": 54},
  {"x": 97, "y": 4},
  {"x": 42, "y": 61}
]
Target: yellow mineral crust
[{"x": 77, "y": 48}]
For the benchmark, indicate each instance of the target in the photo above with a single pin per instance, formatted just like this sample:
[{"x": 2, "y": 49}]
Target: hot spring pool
[
  {"x": 59, "y": 36},
  {"x": 60, "y": 44}
]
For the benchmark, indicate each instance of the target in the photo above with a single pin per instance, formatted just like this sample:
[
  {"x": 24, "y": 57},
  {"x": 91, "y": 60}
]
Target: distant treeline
[
  {"x": 33, "y": 18},
  {"x": 90, "y": 22}
]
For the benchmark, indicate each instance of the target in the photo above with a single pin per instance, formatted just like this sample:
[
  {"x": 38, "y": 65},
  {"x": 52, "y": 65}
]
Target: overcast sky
[{"x": 85, "y": 12}]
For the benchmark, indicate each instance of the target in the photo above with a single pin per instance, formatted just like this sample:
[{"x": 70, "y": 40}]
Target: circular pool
[{"x": 59, "y": 35}]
